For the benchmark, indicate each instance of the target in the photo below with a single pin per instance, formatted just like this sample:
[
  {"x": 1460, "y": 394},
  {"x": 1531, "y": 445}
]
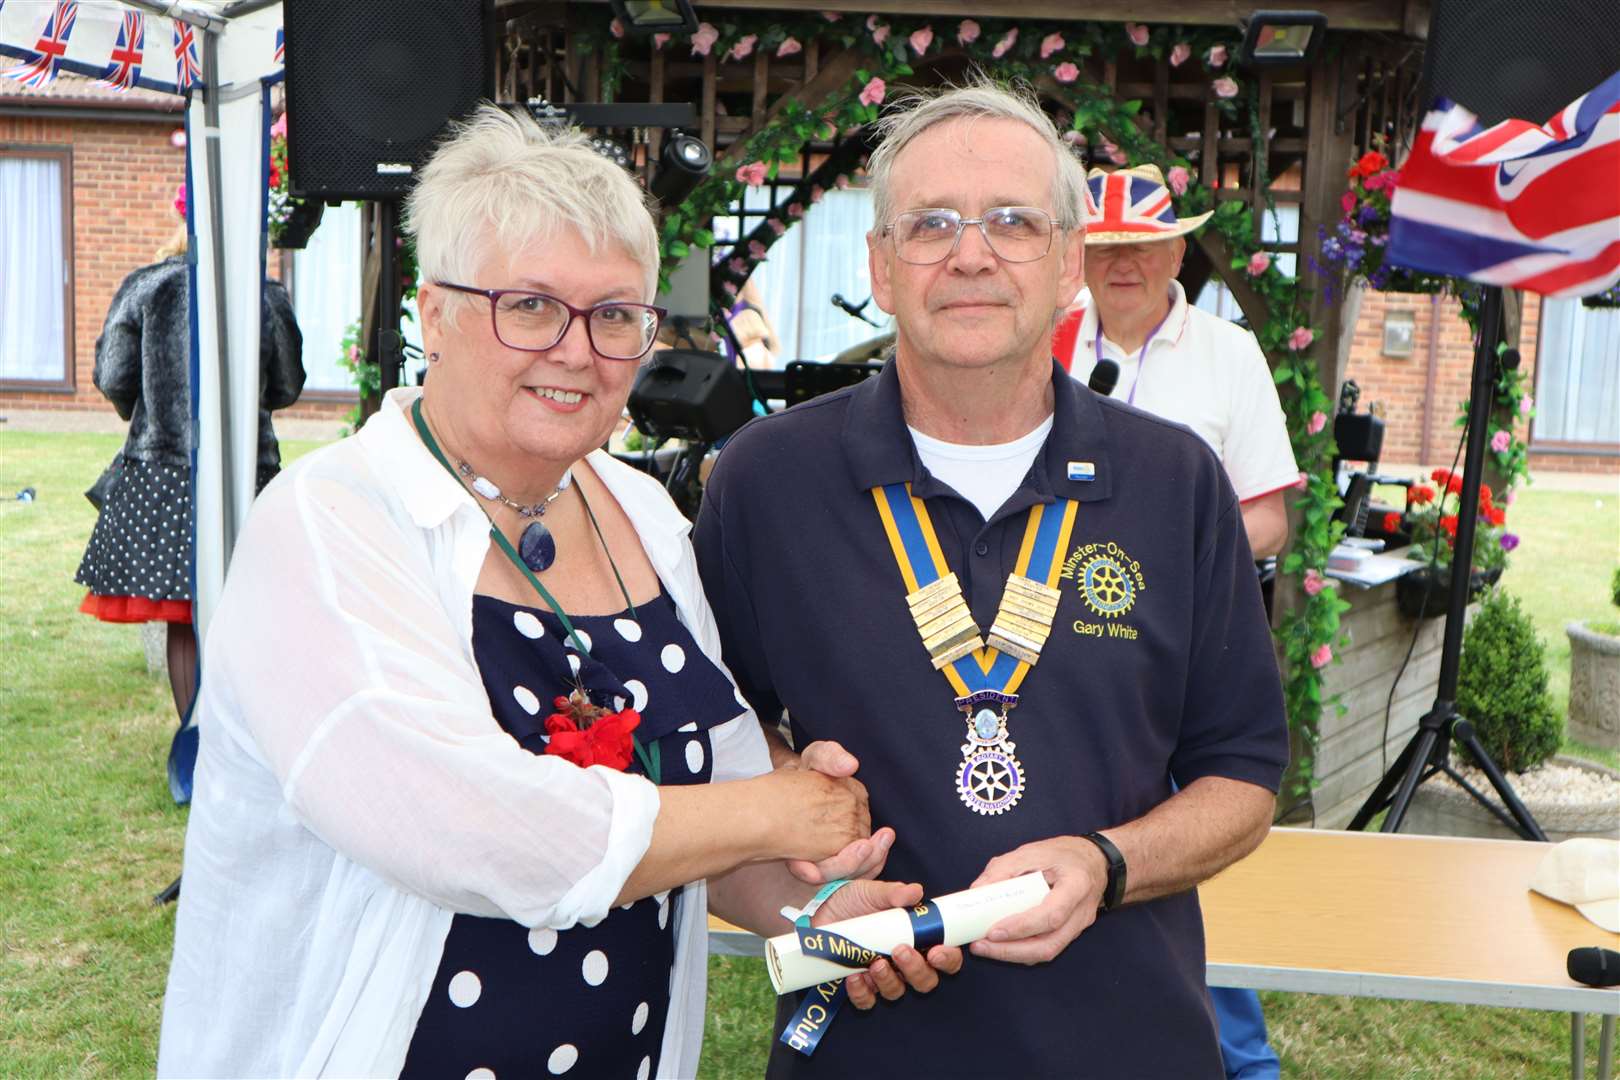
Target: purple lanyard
[{"x": 1141, "y": 357}]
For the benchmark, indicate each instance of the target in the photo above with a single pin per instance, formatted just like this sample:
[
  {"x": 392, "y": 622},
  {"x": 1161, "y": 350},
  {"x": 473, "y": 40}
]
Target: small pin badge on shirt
[{"x": 1082, "y": 470}]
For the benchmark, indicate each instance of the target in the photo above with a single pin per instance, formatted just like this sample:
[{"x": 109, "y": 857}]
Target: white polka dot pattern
[
  {"x": 645, "y": 1069},
  {"x": 639, "y": 1021},
  {"x": 542, "y": 940},
  {"x": 562, "y": 1059},
  {"x": 628, "y": 629},
  {"x": 528, "y": 625},
  {"x": 481, "y": 1074},
  {"x": 526, "y": 700},
  {"x": 673, "y": 658},
  {"x": 694, "y": 755},
  {"x": 465, "y": 989},
  {"x": 595, "y": 967},
  {"x": 638, "y": 694}
]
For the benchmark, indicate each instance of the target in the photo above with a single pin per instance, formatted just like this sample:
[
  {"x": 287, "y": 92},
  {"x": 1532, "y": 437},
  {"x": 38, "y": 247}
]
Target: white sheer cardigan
[{"x": 353, "y": 790}]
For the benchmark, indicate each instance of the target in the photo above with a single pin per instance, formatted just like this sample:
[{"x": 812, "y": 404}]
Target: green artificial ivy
[{"x": 1048, "y": 57}]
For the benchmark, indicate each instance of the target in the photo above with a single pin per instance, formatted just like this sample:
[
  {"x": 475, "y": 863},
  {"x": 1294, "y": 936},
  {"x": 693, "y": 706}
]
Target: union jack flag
[
  {"x": 1532, "y": 206},
  {"x": 49, "y": 49},
  {"x": 127, "y": 52},
  {"x": 187, "y": 68},
  {"x": 281, "y": 46}
]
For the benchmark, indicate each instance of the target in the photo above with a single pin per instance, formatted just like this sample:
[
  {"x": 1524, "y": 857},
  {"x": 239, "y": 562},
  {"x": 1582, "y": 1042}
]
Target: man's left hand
[
  {"x": 1077, "y": 873},
  {"x": 906, "y": 968}
]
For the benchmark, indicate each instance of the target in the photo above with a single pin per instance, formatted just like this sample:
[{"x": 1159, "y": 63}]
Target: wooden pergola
[{"x": 1361, "y": 91}]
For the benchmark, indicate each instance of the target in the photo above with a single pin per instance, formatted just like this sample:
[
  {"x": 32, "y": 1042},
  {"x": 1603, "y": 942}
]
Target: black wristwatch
[{"x": 1114, "y": 891}]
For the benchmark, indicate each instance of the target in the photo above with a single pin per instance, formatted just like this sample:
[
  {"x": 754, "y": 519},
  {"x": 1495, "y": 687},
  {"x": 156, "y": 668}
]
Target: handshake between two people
[{"x": 1072, "y": 866}]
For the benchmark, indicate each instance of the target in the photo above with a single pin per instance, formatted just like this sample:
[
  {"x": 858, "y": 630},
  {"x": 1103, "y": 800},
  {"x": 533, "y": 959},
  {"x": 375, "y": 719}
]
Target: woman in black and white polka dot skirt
[
  {"x": 472, "y": 770},
  {"x": 138, "y": 563}
]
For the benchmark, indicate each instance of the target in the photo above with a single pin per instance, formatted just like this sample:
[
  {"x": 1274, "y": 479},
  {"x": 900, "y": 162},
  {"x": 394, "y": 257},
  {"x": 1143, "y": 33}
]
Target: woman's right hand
[{"x": 816, "y": 815}]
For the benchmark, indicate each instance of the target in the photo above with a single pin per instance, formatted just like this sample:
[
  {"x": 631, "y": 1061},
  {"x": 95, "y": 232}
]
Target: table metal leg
[
  {"x": 1577, "y": 1046},
  {"x": 1606, "y": 1048}
]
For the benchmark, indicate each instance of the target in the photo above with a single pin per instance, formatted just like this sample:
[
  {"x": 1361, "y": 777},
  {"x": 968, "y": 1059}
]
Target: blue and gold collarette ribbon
[
  {"x": 985, "y": 672},
  {"x": 922, "y": 562},
  {"x": 821, "y": 1002}
]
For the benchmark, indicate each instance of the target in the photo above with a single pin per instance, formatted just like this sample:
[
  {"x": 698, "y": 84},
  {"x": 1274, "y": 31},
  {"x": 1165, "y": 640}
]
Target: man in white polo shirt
[{"x": 1174, "y": 360}]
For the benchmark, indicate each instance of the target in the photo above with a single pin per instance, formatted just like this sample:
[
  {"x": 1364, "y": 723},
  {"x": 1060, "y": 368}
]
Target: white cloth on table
[{"x": 354, "y": 792}]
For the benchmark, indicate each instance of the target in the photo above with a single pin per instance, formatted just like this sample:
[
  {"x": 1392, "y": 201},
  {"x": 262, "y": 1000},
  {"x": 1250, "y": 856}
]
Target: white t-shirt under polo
[
  {"x": 1209, "y": 374},
  {"x": 983, "y": 475}
]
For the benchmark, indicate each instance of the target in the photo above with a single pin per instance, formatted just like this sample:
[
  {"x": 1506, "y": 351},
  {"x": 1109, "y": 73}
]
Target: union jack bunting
[
  {"x": 281, "y": 46},
  {"x": 49, "y": 49},
  {"x": 125, "y": 65},
  {"x": 1532, "y": 206},
  {"x": 187, "y": 68}
]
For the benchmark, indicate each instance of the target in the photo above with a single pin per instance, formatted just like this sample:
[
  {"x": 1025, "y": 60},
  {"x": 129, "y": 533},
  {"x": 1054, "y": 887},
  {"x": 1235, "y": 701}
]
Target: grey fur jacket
[{"x": 143, "y": 363}]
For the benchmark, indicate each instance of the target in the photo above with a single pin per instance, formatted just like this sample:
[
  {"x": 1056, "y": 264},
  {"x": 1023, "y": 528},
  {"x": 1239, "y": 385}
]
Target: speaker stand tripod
[{"x": 1429, "y": 750}]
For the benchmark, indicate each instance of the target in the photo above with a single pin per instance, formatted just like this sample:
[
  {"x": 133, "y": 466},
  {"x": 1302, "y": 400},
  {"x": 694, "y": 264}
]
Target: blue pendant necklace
[{"x": 536, "y": 547}]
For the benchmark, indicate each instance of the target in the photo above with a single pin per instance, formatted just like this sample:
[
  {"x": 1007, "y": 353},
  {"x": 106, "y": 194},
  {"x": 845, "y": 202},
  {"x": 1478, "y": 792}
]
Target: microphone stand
[{"x": 1429, "y": 750}]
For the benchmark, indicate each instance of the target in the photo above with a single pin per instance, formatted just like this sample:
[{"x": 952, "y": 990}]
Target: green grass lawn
[{"x": 88, "y": 834}]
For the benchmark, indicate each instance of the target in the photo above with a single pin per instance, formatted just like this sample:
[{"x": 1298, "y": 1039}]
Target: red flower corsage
[{"x": 589, "y": 735}]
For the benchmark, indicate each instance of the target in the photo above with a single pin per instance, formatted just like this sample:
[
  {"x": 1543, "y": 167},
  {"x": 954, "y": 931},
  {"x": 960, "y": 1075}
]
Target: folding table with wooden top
[{"x": 1426, "y": 918}]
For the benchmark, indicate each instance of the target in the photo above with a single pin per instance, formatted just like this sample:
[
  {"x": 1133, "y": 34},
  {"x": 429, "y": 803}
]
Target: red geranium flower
[
  {"x": 1420, "y": 495},
  {"x": 1484, "y": 494},
  {"x": 1449, "y": 523},
  {"x": 1392, "y": 522},
  {"x": 1372, "y": 161},
  {"x": 1496, "y": 515},
  {"x": 1440, "y": 476},
  {"x": 1454, "y": 485},
  {"x": 589, "y": 735}
]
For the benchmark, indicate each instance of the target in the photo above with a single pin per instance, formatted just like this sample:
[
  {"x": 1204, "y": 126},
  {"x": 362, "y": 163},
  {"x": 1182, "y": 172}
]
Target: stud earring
[{"x": 433, "y": 358}]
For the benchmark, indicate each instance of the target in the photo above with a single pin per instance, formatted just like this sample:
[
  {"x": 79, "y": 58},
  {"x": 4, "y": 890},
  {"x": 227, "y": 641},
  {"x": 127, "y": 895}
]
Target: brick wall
[
  {"x": 124, "y": 177},
  {"x": 1401, "y": 384}
]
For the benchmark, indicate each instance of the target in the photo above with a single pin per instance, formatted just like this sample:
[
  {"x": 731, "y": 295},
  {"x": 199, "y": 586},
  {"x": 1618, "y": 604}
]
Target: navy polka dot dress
[
  {"x": 511, "y": 1002},
  {"x": 141, "y": 544}
]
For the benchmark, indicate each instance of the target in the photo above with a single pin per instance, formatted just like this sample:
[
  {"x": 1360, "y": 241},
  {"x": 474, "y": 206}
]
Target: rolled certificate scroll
[{"x": 835, "y": 950}]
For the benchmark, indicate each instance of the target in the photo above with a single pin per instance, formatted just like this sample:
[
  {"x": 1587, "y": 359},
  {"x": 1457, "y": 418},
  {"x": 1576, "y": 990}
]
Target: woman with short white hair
[{"x": 465, "y": 733}]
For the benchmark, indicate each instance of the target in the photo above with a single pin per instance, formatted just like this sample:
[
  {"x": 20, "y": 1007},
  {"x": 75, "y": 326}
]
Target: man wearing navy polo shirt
[{"x": 1018, "y": 606}]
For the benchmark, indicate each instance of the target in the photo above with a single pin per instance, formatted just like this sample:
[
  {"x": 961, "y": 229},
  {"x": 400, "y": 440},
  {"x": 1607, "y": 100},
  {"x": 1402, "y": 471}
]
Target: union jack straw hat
[{"x": 1133, "y": 206}]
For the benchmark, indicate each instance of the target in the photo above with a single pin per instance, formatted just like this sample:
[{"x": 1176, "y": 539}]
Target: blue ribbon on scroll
[{"x": 821, "y": 1002}]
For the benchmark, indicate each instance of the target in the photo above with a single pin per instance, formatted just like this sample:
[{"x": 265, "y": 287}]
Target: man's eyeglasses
[
  {"x": 535, "y": 322},
  {"x": 1015, "y": 233}
]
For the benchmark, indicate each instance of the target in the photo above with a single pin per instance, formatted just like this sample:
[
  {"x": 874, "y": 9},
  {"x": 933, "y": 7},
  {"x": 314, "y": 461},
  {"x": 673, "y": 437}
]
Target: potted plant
[
  {"x": 1502, "y": 691},
  {"x": 1594, "y": 677},
  {"x": 1431, "y": 519},
  {"x": 292, "y": 220}
]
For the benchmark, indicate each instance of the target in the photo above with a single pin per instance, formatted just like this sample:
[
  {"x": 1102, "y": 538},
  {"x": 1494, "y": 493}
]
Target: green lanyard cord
[{"x": 651, "y": 760}]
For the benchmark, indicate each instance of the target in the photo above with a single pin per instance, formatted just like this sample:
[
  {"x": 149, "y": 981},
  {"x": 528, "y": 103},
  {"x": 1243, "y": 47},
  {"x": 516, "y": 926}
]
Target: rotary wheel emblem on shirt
[
  {"x": 990, "y": 779},
  {"x": 1107, "y": 589}
]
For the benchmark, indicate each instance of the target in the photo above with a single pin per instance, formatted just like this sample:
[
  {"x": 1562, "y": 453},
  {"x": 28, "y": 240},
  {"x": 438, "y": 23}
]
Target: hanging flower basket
[
  {"x": 303, "y": 217},
  {"x": 1425, "y": 593}
]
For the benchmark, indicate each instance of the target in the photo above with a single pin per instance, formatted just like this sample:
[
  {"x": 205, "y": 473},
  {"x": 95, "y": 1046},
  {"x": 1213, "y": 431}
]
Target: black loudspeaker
[
  {"x": 371, "y": 85},
  {"x": 1527, "y": 59},
  {"x": 1359, "y": 436},
  {"x": 692, "y": 395}
]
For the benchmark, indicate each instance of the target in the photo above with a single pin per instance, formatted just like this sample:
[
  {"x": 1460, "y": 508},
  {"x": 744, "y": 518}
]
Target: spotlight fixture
[
  {"x": 1282, "y": 38},
  {"x": 611, "y": 149},
  {"x": 656, "y": 16},
  {"x": 685, "y": 160}
]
